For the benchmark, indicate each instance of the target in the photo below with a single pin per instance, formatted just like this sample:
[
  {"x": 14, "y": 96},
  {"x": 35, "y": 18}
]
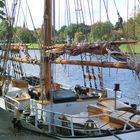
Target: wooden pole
[
  {"x": 93, "y": 63},
  {"x": 45, "y": 62},
  {"x": 74, "y": 62},
  {"x": 23, "y": 60}
]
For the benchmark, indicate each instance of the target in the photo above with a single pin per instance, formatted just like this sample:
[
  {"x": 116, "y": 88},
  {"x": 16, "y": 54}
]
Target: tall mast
[
  {"x": 47, "y": 35},
  {"x": 47, "y": 22}
]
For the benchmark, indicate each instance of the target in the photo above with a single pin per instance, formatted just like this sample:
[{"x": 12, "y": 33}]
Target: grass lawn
[
  {"x": 124, "y": 48},
  {"x": 33, "y": 46},
  {"x": 135, "y": 48}
]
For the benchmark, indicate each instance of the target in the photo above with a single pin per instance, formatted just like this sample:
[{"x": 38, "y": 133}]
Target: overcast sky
[{"x": 37, "y": 7}]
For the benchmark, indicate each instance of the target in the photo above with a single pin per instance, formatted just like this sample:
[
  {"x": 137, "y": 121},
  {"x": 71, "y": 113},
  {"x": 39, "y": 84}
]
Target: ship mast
[{"x": 47, "y": 35}]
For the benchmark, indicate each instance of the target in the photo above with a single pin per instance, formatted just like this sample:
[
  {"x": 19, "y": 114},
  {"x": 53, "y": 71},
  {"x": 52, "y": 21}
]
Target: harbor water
[{"x": 71, "y": 75}]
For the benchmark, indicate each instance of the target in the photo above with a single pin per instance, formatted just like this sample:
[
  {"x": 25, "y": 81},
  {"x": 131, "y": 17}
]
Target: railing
[
  {"x": 64, "y": 124},
  {"x": 11, "y": 104}
]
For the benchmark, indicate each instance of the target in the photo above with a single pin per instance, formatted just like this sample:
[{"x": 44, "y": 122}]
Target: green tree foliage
[
  {"x": 24, "y": 35},
  {"x": 130, "y": 29},
  {"x": 101, "y": 31},
  {"x": 71, "y": 30},
  {"x": 118, "y": 34},
  {"x": 79, "y": 37},
  {"x": 137, "y": 26},
  {"x": 3, "y": 30},
  {"x": 38, "y": 34},
  {"x": 62, "y": 34}
]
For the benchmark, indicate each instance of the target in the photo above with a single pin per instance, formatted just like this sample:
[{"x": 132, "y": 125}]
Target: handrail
[
  {"x": 11, "y": 104},
  {"x": 69, "y": 122},
  {"x": 12, "y": 99}
]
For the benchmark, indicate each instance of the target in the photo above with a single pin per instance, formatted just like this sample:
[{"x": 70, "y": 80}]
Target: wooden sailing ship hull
[
  {"x": 125, "y": 136},
  {"x": 43, "y": 121},
  {"x": 8, "y": 132}
]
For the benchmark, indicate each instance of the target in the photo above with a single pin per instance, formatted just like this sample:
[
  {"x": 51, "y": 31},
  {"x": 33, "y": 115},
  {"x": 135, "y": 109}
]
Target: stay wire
[
  {"x": 91, "y": 15},
  {"x": 18, "y": 11},
  {"x": 119, "y": 17},
  {"x": 116, "y": 7},
  {"x": 87, "y": 67},
  {"x": 108, "y": 19},
  {"x": 67, "y": 12},
  {"x": 39, "y": 41},
  {"x": 83, "y": 71},
  {"x": 59, "y": 14},
  {"x": 82, "y": 12},
  {"x": 93, "y": 74},
  {"x": 92, "y": 11},
  {"x": 106, "y": 10},
  {"x": 89, "y": 12}
]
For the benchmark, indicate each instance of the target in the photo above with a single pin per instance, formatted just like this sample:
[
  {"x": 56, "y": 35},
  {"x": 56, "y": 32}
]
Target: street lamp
[{"x": 116, "y": 88}]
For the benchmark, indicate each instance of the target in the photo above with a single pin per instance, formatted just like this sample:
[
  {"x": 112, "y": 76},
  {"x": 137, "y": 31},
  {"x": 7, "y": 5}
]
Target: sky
[{"x": 124, "y": 7}]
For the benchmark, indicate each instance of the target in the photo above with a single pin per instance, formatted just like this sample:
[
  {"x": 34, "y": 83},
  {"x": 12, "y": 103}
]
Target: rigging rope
[
  {"x": 59, "y": 14},
  {"x": 39, "y": 41},
  {"x": 83, "y": 70},
  {"x": 18, "y": 11},
  {"x": 68, "y": 12},
  {"x": 88, "y": 71},
  {"x": 116, "y": 7},
  {"x": 91, "y": 14},
  {"x": 82, "y": 12},
  {"x": 100, "y": 76},
  {"x": 18, "y": 72},
  {"x": 119, "y": 24},
  {"x": 93, "y": 74},
  {"x": 9, "y": 37},
  {"x": 79, "y": 12},
  {"x": 106, "y": 9}
]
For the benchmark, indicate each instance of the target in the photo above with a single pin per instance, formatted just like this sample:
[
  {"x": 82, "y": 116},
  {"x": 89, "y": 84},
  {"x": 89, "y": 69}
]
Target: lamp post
[{"x": 116, "y": 88}]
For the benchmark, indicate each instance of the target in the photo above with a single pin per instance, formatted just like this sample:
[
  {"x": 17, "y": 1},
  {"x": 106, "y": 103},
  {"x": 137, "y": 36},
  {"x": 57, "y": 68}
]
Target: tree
[
  {"x": 137, "y": 26},
  {"x": 101, "y": 31},
  {"x": 130, "y": 28},
  {"x": 79, "y": 37},
  {"x": 24, "y": 35},
  {"x": 3, "y": 30},
  {"x": 62, "y": 34},
  {"x": 72, "y": 29},
  {"x": 38, "y": 34}
]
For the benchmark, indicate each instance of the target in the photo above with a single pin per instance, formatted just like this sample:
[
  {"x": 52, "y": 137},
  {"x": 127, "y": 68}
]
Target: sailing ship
[{"x": 99, "y": 118}]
